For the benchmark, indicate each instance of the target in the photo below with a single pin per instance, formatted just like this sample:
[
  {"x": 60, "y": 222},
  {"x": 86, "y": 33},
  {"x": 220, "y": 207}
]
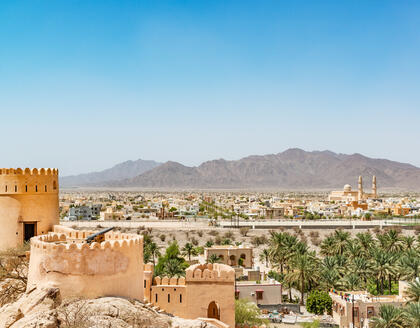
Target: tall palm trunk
[{"x": 302, "y": 289}]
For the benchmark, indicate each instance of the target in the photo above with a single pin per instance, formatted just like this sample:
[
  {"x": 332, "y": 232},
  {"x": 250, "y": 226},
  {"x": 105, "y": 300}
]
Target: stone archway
[
  {"x": 232, "y": 261},
  {"x": 213, "y": 311}
]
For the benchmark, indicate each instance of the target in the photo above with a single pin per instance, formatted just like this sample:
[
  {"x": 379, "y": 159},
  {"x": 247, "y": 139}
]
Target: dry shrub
[
  {"x": 315, "y": 241},
  {"x": 200, "y": 233},
  {"x": 259, "y": 240},
  {"x": 74, "y": 314},
  {"x": 194, "y": 241},
  {"x": 244, "y": 231},
  {"x": 13, "y": 273},
  {"x": 213, "y": 233},
  {"x": 228, "y": 235},
  {"x": 314, "y": 234},
  {"x": 162, "y": 237}
]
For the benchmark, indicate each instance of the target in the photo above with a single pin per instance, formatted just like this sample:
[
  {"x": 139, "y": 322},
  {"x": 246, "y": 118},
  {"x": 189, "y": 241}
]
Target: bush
[
  {"x": 247, "y": 314},
  {"x": 259, "y": 240},
  {"x": 244, "y": 231},
  {"x": 213, "y": 233},
  {"x": 194, "y": 241},
  {"x": 228, "y": 235},
  {"x": 319, "y": 302}
]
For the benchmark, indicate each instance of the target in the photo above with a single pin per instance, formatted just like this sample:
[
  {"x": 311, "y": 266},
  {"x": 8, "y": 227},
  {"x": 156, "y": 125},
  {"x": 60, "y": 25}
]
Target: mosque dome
[{"x": 347, "y": 187}]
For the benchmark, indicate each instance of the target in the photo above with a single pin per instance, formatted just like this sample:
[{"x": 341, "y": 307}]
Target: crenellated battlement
[
  {"x": 28, "y": 181},
  {"x": 166, "y": 281},
  {"x": 28, "y": 171},
  {"x": 209, "y": 272},
  {"x": 72, "y": 241}
]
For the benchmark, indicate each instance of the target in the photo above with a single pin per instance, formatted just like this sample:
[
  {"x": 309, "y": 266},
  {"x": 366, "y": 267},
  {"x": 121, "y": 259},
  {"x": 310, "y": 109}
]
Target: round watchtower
[{"x": 28, "y": 204}]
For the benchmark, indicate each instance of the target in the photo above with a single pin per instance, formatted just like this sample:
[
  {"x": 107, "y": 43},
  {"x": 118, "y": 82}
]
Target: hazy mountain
[
  {"x": 125, "y": 170},
  {"x": 291, "y": 169}
]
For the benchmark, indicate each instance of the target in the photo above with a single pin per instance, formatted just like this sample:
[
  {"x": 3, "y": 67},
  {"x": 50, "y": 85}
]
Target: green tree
[
  {"x": 389, "y": 317},
  {"x": 303, "y": 271},
  {"x": 213, "y": 258},
  {"x": 189, "y": 250},
  {"x": 319, "y": 302},
  {"x": 247, "y": 314},
  {"x": 412, "y": 315},
  {"x": 413, "y": 291},
  {"x": 171, "y": 263}
]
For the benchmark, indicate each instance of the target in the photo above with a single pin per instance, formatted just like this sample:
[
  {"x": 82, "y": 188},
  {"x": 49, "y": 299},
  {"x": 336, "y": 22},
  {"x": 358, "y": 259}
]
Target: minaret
[
  {"x": 360, "y": 196},
  {"x": 374, "y": 190}
]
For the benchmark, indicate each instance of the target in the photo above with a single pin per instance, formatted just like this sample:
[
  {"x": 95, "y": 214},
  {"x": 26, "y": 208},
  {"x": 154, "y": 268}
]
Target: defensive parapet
[
  {"x": 210, "y": 273},
  {"x": 28, "y": 204},
  {"x": 24, "y": 181},
  {"x": 112, "y": 267}
]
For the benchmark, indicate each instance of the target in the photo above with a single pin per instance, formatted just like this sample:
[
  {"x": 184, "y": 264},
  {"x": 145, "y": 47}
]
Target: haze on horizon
[{"x": 86, "y": 85}]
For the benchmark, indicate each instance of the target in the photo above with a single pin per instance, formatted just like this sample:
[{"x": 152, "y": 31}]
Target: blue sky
[{"x": 87, "y": 84}]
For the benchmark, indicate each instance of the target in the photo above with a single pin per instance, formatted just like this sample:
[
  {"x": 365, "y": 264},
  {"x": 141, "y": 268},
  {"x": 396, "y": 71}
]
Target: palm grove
[{"x": 373, "y": 262}]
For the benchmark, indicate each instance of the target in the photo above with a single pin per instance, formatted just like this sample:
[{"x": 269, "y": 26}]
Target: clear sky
[{"x": 87, "y": 84}]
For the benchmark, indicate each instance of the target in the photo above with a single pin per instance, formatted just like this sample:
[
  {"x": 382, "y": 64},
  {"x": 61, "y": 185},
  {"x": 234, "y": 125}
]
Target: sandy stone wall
[
  {"x": 27, "y": 196},
  {"x": 111, "y": 268}
]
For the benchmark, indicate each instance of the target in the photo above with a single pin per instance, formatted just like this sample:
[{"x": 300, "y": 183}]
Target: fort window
[
  {"x": 180, "y": 298},
  {"x": 26, "y": 188},
  {"x": 156, "y": 298},
  {"x": 145, "y": 284},
  {"x": 54, "y": 185},
  {"x": 169, "y": 298},
  {"x": 15, "y": 188},
  {"x": 36, "y": 188},
  {"x": 45, "y": 188},
  {"x": 6, "y": 188}
]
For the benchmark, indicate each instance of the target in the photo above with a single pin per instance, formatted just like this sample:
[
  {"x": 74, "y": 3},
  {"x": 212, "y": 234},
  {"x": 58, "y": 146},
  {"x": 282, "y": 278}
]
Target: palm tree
[
  {"x": 153, "y": 248},
  {"x": 362, "y": 267},
  {"x": 408, "y": 242},
  {"x": 189, "y": 250},
  {"x": 412, "y": 315},
  {"x": 354, "y": 250},
  {"x": 303, "y": 270},
  {"x": 327, "y": 246},
  {"x": 265, "y": 256},
  {"x": 366, "y": 241},
  {"x": 413, "y": 291},
  {"x": 389, "y": 317},
  {"x": 393, "y": 241},
  {"x": 409, "y": 265},
  {"x": 351, "y": 282},
  {"x": 173, "y": 268},
  {"x": 213, "y": 258},
  {"x": 341, "y": 241},
  {"x": 382, "y": 267}
]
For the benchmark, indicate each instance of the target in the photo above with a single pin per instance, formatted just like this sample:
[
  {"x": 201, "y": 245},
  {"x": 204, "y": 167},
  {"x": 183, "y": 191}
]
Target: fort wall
[{"x": 111, "y": 268}]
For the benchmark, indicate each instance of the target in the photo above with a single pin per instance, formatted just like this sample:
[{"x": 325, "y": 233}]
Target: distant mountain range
[
  {"x": 293, "y": 169},
  {"x": 125, "y": 170}
]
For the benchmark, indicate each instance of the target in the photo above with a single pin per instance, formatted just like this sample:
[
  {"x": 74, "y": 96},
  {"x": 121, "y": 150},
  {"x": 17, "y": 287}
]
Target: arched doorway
[
  {"x": 213, "y": 311},
  {"x": 232, "y": 259}
]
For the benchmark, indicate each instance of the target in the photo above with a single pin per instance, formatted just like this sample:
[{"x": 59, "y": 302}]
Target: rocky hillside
[
  {"x": 293, "y": 169},
  {"x": 125, "y": 170},
  {"x": 44, "y": 308}
]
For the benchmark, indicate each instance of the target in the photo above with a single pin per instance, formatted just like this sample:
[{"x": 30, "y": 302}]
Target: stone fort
[{"x": 61, "y": 257}]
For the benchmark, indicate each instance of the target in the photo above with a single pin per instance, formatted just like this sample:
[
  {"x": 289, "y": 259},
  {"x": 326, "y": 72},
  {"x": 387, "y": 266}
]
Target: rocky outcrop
[{"x": 45, "y": 308}]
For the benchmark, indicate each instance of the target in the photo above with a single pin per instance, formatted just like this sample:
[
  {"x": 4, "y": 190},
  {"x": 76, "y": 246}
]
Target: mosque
[{"x": 349, "y": 195}]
